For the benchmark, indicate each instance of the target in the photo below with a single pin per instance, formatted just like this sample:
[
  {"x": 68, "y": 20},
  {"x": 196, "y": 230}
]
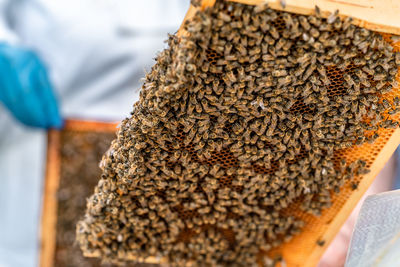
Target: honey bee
[
  {"x": 314, "y": 32},
  {"x": 397, "y": 58},
  {"x": 314, "y": 21},
  {"x": 304, "y": 23},
  {"x": 317, "y": 11},
  {"x": 224, "y": 17},
  {"x": 279, "y": 73},
  {"x": 284, "y": 81},
  {"x": 346, "y": 23},
  {"x": 260, "y": 8},
  {"x": 379, "y": 76},
  {"x": 274, "y": 32}
]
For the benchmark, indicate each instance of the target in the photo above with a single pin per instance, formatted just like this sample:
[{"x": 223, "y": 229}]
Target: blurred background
[{"x": 77, "y": 59}]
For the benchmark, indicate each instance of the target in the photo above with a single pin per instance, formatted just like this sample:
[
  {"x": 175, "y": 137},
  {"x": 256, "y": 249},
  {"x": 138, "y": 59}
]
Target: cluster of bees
[{"x": 239, "y": 119}]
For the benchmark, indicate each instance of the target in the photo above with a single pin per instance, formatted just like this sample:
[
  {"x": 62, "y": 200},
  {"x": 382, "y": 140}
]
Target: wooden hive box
[{"x": 98, "y": 138}]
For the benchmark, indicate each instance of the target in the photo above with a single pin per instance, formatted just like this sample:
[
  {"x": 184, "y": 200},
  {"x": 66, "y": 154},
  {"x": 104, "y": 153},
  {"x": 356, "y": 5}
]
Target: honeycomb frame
[
  {"x": 303, "y": 249},
  {"x": 48, "y": 223}
]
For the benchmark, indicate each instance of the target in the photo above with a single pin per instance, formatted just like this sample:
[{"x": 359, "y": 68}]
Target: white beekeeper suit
[{"x": 96, "y": 52}]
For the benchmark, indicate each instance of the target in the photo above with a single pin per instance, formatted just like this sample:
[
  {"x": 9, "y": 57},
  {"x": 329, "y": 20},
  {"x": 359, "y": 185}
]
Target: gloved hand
[{"x": 25, "y": 88}]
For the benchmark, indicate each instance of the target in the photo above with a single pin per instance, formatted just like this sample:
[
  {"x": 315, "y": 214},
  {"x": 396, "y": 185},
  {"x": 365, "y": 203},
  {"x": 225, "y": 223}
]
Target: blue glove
[{"x": 25, "y": 88}]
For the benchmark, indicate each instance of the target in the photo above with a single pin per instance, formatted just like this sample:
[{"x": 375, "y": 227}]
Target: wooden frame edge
[
  {"x": 49, "y": 210},
  {"x": 357, "y": 11},
  {"x": 90, "y": 125},
  {"x": 351, "y": 9}
]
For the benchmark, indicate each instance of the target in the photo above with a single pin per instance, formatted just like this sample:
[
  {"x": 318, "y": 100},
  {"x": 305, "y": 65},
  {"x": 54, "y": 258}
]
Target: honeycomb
[{"x": 313, "y": 232}]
